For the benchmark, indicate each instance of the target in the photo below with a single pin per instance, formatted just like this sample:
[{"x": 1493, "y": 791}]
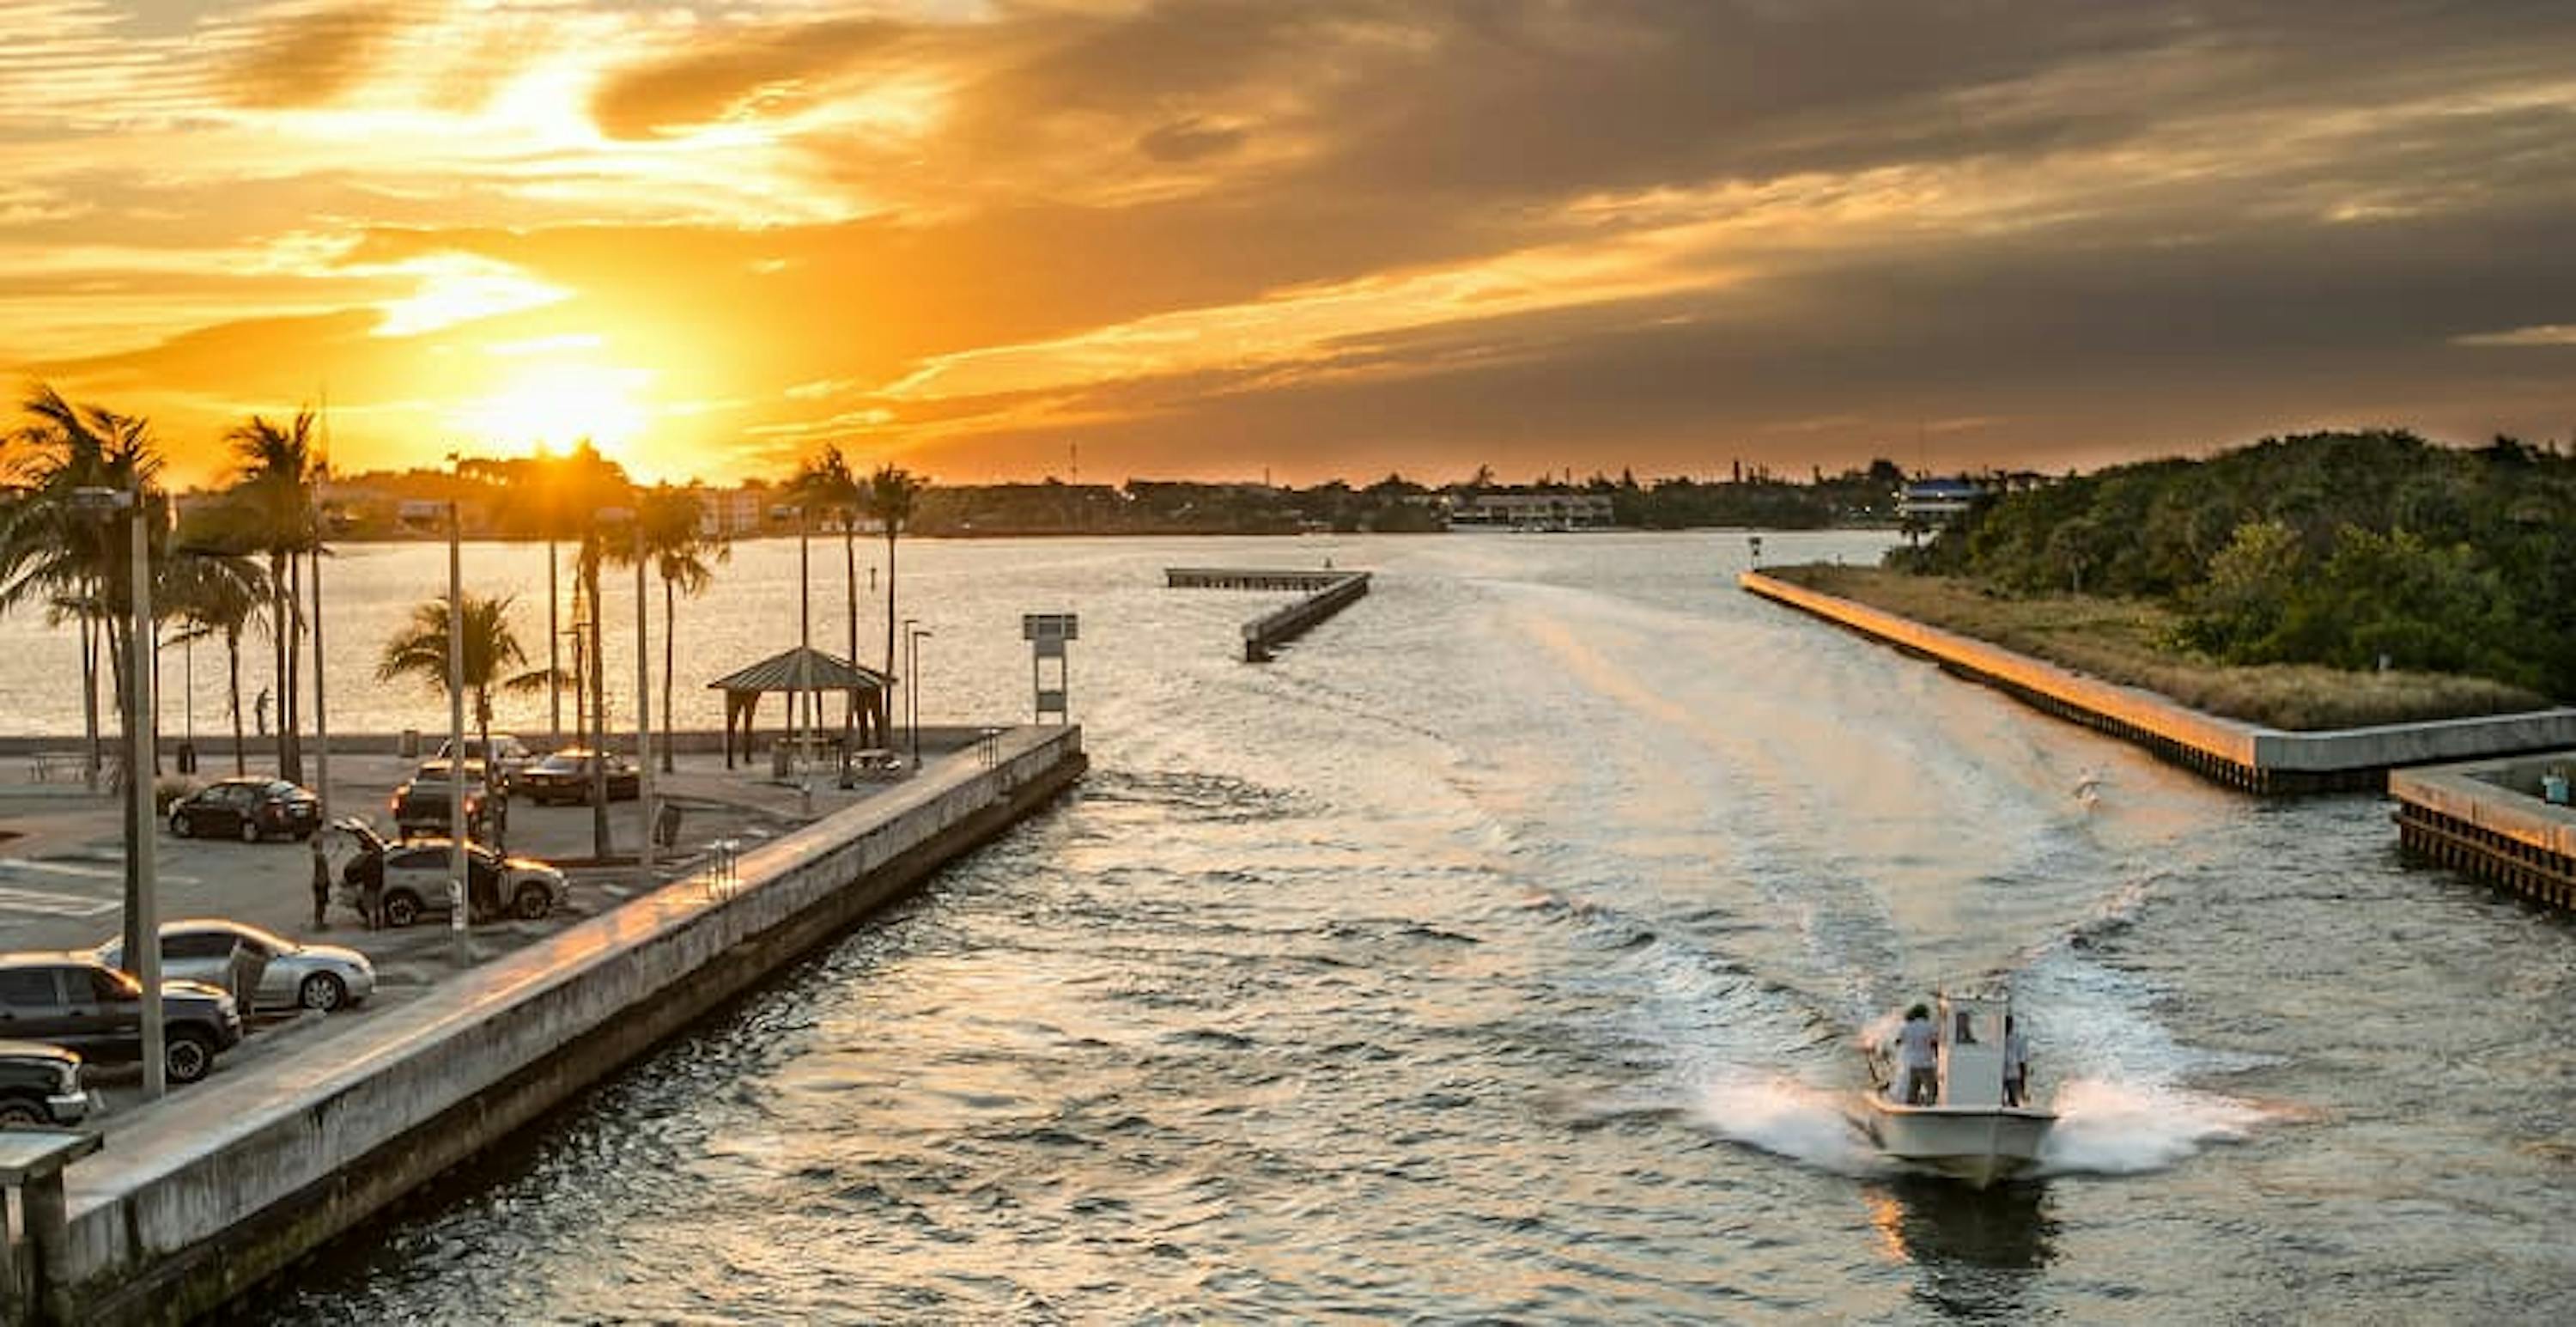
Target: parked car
[
  {"x": 424, "y": 803},
  {"x": 509, "y": 756},
  {"x": 248, "y": 808},
  {"x": 566, "y": 776},
  {"x": 77, "y": 1002},
  {"x": 279, "y": 973},
  {"x": 41, "y": 1084},
  {"x": 413, "y": 875}
]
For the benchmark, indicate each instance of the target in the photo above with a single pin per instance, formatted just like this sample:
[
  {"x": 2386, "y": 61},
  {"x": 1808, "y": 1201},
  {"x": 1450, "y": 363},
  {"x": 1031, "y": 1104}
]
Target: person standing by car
[
  {"x": 371, "y": 896},
  {"x": 321, "y": 884}
]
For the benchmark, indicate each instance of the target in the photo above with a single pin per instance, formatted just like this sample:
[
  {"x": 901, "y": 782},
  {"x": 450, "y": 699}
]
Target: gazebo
[{"x": 807, "y": 672}]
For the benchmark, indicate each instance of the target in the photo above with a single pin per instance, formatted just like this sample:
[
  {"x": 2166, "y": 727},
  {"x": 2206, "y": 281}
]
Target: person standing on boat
[
  {"x": 2016, "y": 1065},
  {"x": 1918, "y": 1059}
]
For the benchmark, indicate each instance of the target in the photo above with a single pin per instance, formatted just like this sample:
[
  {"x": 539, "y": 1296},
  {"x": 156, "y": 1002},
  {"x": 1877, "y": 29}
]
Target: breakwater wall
[
  {"x": 2241, "y": 755},
  {"x": 2488, "y": 819},
  {"x": 1327, "y": 592},
  {"x": 199, "y": 1198}
]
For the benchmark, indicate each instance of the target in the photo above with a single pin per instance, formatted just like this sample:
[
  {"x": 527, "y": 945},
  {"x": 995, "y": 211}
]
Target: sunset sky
[{"x": 1315, "y": 238}]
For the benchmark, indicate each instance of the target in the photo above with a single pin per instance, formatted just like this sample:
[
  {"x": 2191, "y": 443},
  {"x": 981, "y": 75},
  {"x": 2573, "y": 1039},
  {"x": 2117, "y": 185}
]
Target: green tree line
[{"x": 2348, "y": 549}]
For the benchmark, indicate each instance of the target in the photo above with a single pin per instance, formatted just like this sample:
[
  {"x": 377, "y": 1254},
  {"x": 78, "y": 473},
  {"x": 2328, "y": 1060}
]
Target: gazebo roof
[{"x": 803, "y": 669}]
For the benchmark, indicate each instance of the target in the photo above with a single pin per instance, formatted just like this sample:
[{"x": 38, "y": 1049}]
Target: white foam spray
[
  {"x": 2111, "y": 1128},
  {"x": 1788, "y": 1118}
]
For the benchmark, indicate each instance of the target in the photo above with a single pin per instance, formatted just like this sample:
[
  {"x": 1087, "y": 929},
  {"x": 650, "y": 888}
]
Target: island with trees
[{"x": 2325, "y": 580}]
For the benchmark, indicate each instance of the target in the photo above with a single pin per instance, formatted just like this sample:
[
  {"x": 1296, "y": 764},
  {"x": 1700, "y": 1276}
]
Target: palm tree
[
  {"x": 491, "y": 648},
  {"x": 589, "y": 484},
  {"x": 274, "y": 497},
  {"x": 892, "y": 493},
  {"x": 55, "y": 551},
  {"x": 680, "y": 550},
  {"x": 216, "y": 594},
  {"x": 825, "y": 483}
]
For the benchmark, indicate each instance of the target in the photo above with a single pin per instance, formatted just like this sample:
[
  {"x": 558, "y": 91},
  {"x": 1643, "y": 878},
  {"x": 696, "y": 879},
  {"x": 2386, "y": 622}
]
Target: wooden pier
[
  {"x": 1327, "y": 592},
  {"x": 1254, "y": 578},
  {"x": 2488, "y": 819}
]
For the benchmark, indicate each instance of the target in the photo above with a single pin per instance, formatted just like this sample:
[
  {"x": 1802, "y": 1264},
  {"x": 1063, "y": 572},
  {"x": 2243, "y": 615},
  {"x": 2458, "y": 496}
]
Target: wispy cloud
[{"x": 2546, "y": 334}]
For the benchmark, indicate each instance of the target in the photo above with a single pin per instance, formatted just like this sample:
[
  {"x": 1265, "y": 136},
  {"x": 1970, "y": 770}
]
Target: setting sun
[{"x": 554, "y": 407}]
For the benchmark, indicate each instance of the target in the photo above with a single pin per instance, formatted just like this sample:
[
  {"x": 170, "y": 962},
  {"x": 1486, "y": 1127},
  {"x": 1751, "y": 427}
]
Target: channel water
[{"x": 1498, "y": 953}]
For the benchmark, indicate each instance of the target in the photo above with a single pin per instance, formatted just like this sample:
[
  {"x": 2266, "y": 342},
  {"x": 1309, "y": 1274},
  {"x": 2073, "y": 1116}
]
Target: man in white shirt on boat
[
  {"x": 1918, "y": 1059},
  {"x": 2016, "y": 1065}
]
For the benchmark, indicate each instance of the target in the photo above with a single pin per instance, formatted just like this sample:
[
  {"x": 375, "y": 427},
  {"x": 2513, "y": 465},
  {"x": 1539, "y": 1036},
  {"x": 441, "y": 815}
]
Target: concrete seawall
[
  {"x": 201, "y": 1197},
  {"x": 2487, "y": 818},
  {"x": 2242, "y": 755}
]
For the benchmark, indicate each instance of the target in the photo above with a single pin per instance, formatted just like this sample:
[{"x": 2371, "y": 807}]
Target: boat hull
[{"x": 1977, "y": 1144}]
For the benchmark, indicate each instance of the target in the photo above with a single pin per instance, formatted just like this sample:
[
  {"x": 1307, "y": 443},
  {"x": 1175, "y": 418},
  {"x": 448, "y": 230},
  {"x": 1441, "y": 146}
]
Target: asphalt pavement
[{"x": 62, "y": 855}]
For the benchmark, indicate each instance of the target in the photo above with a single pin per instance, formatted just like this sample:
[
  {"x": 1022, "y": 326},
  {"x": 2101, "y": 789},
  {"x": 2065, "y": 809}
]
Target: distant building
[
  {"x": 729, "y": 513},
  {"x": 421, "y": 516},
  {"x": 1934, "y": 502},
  {"x": 1534, "y": 511}
]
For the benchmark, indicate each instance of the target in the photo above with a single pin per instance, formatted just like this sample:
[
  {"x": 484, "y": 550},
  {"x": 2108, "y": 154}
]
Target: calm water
[{"x": 1497, "y": 954}]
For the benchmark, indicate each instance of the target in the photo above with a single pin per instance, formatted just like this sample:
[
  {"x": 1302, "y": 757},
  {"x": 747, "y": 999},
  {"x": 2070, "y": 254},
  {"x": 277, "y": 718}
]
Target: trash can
[
  {"x": 782, "y": 759},
  {"x": 666, "y": 823},
  {"x": 410, "y": 747}
]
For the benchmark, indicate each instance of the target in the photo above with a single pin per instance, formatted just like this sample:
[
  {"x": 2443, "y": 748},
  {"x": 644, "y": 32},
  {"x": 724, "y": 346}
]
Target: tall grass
[{"x": 2128, "y": 641}]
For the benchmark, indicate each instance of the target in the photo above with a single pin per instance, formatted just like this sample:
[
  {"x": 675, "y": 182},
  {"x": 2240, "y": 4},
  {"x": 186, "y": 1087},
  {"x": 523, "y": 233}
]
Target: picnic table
[{"x": 46, "y": 766}]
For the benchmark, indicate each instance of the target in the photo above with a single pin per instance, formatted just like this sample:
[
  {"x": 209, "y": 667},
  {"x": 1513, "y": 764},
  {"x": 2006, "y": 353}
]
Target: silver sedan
[{"x": 283, "y": 973}]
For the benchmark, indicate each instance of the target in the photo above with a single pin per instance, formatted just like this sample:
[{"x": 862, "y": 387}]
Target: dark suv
[
  {"x": 40, "y": 1085},
  {"x": 424, "y": 802},
  {"x": 74, "y": 1001},
  {"x": 250, "y": 809}
]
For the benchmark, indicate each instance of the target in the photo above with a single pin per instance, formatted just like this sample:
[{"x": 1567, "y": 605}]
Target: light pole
[
  {"x": 912, "y": 685},
  {"x": 321, "y": 717},
  {"x": 800, "y": 700},
  {"x": 904, "y": 682},
  {"x": 142, "y": 922},
  {"x": 643, "y": 721},
  {"x": 458, "y": 882}
]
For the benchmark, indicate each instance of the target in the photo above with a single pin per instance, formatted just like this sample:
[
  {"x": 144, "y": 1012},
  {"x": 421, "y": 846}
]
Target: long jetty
[
  {"x": 2241, "y": 755},
  {"x": 198, "y": 1199},
  {"x": 1327, "y": 592}
]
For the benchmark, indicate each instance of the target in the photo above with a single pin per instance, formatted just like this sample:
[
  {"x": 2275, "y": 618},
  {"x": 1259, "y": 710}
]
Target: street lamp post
[
  {"x": 912, "y": 685},
  {"x": 643, "y": 723},
  {"x": 903, "y": 684},
  {"x": 458, "y": 882},
  {"x": 142, "y": 922},
  {"x": 321, "y": 717}
]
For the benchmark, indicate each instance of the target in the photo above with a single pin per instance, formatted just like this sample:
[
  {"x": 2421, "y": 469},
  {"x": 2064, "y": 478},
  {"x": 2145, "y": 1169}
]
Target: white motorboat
[{"x": 1966, "y": 1131}]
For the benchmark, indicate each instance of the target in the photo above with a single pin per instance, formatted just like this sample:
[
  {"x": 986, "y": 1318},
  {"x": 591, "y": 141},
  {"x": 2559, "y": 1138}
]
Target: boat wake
[
  {"x": 2111, "y": 1128},
  {"x": 1787, "y": 1118}
]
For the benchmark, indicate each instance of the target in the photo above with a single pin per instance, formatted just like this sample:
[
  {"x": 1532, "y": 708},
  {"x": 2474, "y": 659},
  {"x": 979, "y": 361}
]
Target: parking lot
[{"x": 62, "y": 878}]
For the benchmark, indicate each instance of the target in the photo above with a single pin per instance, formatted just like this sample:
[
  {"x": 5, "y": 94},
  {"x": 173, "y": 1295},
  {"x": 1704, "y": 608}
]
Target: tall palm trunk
[
  {"x": 232, "y": 674},
  {"x": 889, "y": 654},
  {"x": 848, "y": 570},
  {"x": 850, "y": 575},
  {"x": 670, "y": 603},
  {"x": 290, "y": 713},
  {"x": 278, "y": 625}
]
